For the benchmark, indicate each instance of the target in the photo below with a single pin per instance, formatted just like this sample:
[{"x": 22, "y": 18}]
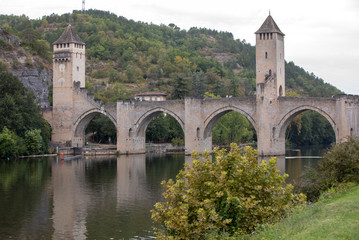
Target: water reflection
[
  {"x": 93, "y": 198},
  {"x": 109, "y": 198}
]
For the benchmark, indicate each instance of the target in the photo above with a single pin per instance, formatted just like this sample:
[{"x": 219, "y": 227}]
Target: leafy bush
[
  {"x": 8, "y": 143},
  {"x": 34, "y": 141},
  {"x": 232, "y": 194},
  {"x": 177, "y": 142},
  {"x": 340, "y": 164}
]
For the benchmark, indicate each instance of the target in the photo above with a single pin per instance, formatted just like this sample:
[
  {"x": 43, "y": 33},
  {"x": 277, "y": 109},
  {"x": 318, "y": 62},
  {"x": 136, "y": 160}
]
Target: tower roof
[
  {"x": 69, "y": 36},
  {"x": 269, "y": 26}
]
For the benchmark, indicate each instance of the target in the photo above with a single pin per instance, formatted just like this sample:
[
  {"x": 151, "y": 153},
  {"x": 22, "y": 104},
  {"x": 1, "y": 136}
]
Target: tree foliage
[
  {"x": 232, "y": 127},
  {"x": 232, "y": 194},
  {"x": 21, "y": 116},
  {"x": 164, "y": 128},
  {"x": 102, "y": 129},
  {"x": 340, "y": 164}
]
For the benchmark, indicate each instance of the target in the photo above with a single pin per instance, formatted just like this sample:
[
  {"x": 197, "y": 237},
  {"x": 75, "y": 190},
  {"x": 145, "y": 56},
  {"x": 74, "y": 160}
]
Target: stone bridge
[
  {"x": 270, "y": 112},
  {"x": 198, "y": 116}
]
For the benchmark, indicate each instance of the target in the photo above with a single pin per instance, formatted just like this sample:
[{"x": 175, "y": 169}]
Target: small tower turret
[{"x": 270, "y": 69}]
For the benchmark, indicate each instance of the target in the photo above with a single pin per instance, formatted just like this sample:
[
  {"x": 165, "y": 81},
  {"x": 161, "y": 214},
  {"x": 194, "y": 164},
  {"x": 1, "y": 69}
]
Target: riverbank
[{"x": 332, "y": 217}]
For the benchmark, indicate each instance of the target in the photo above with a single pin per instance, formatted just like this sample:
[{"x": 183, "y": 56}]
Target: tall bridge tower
[
  {"x": 270, "y": 69},
  {"x": 270, "y": 83},
  {"x": 68, "y": 70}
]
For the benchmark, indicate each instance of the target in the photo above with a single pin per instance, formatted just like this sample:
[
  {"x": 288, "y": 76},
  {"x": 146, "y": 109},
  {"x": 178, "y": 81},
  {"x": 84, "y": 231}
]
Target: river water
[{"x": 95, "y": 198}]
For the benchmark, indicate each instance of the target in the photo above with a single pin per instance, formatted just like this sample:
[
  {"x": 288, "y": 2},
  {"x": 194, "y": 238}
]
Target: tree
[
  {"x": 181, "y": 88},
  {"x": 198, "y": 84},
  {"x": 8, "y": 144},
  {"x": 232, "y": 195},
  {"x": 232, "y": 127},
  {"x": 34, "y": 142},
  {"x": 18, "y": 109}
]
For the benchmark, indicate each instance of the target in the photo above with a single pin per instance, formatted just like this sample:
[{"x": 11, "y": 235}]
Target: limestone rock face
[
  {"x": 37, "y": 80},
  {"x": 33, "y": 71}
]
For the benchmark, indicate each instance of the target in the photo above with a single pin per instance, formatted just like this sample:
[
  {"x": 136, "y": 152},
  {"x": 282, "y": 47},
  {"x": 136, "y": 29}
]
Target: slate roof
[
  {"x": 269, "y": 26},
  {"x": 69, "y": 36}
]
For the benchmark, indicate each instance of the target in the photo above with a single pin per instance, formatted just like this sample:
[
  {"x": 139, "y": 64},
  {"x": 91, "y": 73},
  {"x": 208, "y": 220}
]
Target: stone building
[{"x": 151, "y": 96}]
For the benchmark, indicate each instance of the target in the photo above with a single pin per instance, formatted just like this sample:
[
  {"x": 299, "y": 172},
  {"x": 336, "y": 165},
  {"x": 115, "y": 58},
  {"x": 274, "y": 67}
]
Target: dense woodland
[{"x": 125, "y": 57}]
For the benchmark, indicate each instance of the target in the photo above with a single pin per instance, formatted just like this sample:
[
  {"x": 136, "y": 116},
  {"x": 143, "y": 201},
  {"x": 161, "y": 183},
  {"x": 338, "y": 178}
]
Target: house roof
[
  {"x": 69, "y": 36},
  {"x": 269, "y": 26},
  {"x": 151, "y": 94}
]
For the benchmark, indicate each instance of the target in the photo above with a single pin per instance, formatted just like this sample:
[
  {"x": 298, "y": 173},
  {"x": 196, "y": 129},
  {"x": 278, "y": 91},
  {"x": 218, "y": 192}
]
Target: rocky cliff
[{"x": 33, "y": 71}]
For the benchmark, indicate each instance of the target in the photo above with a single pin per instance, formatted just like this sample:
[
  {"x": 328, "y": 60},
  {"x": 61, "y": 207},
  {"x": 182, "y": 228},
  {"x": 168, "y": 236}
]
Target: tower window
[
  {"x": 266, "y": 55},
  {"x": 280, "y": 90},
  {"x": 271, "y": 36},
  {"x": 57, "y": 45},
  {"x": 68, "y": 45},
  {"x": 78, "y": 69}
]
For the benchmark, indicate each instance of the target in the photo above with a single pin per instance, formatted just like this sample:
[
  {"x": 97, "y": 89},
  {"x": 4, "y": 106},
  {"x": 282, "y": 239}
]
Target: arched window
[
  {"x": 198, "y": 133},
  {"x": 266, "y": 55},
  {"x": 280, "y": 91}
]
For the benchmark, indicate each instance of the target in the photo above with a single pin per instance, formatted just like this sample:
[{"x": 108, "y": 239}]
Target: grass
[{"x": 334, "y": 216}]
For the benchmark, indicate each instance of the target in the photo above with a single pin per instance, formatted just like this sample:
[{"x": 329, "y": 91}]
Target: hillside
[
  {"x": 125, "y": 57},
  {"x": 32, "y": 69}
]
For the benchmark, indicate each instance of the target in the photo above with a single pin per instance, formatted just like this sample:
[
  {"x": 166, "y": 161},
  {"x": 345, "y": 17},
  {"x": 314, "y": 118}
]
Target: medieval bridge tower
[{"x": 270, "y": 112}]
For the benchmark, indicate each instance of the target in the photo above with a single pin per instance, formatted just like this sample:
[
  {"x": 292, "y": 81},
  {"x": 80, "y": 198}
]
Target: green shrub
[
  {"x": 10, "y": 144},
  {"x": 231, "y": 195},
  {"x": 177, "y": 142},
  {"x": 34, "y": 141},
  {"x": 340, "y": 164}
]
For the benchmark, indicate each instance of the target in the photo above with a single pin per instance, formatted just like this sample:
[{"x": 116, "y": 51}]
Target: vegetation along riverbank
[{"x": 234, "y": 197}]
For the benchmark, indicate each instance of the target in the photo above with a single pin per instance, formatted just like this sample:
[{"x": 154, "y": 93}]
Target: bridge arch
[
  {"x": 142, "y": 123},
  {"x": 288, "y": 117},
  {"x": 217, "y": 114},
  {"x": 83, "y": 121}
]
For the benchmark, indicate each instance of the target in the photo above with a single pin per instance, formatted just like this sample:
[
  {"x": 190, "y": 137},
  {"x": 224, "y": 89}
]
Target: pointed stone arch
[
  {"x": 142, "y": 122},
  {"x": 279, "y": 131},
  {"x": 217, "y": 114},
  {"x": 82, "y": 122}
]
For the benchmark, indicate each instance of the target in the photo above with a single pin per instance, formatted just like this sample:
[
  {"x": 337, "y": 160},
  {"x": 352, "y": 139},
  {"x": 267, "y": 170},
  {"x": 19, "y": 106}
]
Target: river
[{"x": 95, "y": 198}]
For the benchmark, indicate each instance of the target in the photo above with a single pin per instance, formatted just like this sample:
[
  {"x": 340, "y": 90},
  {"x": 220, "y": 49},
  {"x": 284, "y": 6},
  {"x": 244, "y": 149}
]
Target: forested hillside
[{"x": 125, "y": 57}]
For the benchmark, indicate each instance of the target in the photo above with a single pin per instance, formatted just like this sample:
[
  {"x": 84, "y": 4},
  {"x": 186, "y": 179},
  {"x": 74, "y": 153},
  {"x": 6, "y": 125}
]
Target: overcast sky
[{"x": 322, "y": 36}]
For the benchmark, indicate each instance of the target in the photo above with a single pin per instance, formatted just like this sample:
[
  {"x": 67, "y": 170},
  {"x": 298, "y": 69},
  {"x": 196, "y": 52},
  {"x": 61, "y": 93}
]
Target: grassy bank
[{"x": 333, "y": 217}]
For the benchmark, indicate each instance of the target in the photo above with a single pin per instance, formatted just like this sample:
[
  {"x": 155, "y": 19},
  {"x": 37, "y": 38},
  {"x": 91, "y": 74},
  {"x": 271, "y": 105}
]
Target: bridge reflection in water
[{"x": 112, "y": 197}]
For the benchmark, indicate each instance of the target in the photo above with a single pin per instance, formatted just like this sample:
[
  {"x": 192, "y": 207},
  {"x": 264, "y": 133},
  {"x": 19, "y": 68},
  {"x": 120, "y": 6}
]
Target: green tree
[
  {"x": 8, "y": 144},
  {"x": 181, "y": 88},
  {"x": 18, "y": 109},
  {"x": 198, "y": 84},
  {"x": 102, "y": 129},
  {"x": 231, "y": 195},
  {"x": 33, "y": 141},
  {"x": 232, "y": 127}
]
